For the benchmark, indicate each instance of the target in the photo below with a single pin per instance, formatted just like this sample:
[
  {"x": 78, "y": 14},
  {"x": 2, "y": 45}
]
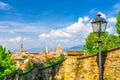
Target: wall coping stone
[
  {"x": 75, "y": 53},
  {"x": 103, "y": 52},
  {"x": 52, "y": 65}
]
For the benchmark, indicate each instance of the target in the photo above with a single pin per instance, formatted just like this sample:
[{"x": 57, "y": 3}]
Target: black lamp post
[{"x": 99, "y": 25}]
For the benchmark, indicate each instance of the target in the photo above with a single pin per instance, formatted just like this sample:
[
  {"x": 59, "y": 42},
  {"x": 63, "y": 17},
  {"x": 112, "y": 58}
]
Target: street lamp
[{"x": 99, "y": 25}]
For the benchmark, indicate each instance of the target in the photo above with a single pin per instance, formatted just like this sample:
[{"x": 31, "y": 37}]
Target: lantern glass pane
[
  {"x": 96, "y": 27},
  {"x": 103, "y": 26}
]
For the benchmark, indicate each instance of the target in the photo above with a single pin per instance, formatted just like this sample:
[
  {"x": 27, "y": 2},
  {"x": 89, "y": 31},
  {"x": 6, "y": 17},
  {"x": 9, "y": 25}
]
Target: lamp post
[{"x": 99, "y": 25}]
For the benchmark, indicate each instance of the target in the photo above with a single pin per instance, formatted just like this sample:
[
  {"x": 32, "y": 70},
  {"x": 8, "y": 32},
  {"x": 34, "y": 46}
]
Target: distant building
[
  {"x": 21, "y": 47},
  {"x": 47, "y": 49},
  {"x": 24, "y": 57},
  {"x": 59, "y": 49}
]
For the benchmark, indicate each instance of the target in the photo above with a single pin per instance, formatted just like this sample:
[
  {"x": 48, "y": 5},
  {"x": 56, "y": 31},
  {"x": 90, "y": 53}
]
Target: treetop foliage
[{"x": 7, "y": 65}]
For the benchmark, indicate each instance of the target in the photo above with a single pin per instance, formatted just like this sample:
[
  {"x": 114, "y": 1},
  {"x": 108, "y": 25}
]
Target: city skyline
[{"x": 42, "y": 23}]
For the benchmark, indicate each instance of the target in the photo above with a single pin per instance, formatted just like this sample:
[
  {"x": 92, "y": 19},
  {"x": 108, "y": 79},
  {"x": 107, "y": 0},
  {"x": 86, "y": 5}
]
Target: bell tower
[{"x": 21, "y": 47}]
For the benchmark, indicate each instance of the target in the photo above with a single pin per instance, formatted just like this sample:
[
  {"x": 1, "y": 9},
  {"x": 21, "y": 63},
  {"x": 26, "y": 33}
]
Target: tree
[
  {"x": 118, "y": 24},
  {"x": 108, "y": 41},
  {"x": 7, "y": 65}
]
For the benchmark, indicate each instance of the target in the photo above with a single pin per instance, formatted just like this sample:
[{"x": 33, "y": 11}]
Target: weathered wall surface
[
  {"x": 86, "y": 68},
  {"x": 47, "y": 73}
]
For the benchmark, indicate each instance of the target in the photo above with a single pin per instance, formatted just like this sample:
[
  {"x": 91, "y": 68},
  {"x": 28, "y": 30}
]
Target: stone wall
[
  {"x": 47, "y": 73},
  {"x": 86, "y": 67}
]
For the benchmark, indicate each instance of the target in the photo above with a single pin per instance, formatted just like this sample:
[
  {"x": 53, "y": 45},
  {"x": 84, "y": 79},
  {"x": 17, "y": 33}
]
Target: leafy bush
[
  {"x": 105, "y": 78},
  {"x": 29, "y": 67},
  {"x": 7, "y": 65},
  {"x": 53, "y": 62},
  {"x": 24, "y": 56}
]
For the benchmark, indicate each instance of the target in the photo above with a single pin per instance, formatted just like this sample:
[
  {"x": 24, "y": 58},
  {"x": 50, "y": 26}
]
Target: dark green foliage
[
  {"x": 24, "y": 56},
  {"x": 118, "y": 41},
  {"x": 118, "y": 24},
  {"x": 106, "y": 78},
  {"x": 20, "y": 72},
  {"x": 29, "y": 67},
  {"x": 53, "y": 62},
  {"x": 108, "y": 41},
  {"x": 7, "y": 65}
]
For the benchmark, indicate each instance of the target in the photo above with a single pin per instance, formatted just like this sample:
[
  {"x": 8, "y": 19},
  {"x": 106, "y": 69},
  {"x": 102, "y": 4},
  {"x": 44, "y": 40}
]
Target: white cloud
[
  {"x": 55, "y": 33},
  {"x": 111, "y": 20},
  {"x": 102, "y": 14},
  {"x": 86, "y": 18},
  {"x": 74, "y": 34},
  {"x": 69, "y": 31},
  {"x": 111, "y": 25},
  {"x": 16, "y": 39},
  {"x": 14, "y": 42},
  {"x": 25, "y": 38},
  {"x": 12, "y": 27},
  {"x": 110, "y": 30},
  {"x": 4, "y": 6},
  {"x": 71, "y": 35}
]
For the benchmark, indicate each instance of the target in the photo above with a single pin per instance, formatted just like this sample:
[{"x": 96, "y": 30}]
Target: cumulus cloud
[
  {"x": 71, "y": 35},
  {"x": 4, "y": 6},
  {"x": 69, "y": 31},
  {"x": 55, "y": 33},
  {"x": 110, "y": 30},
  {"x": 111, "y": 20},
  {"x": 111, "y": 25},
  {"x": 16, "y": 39},
  {"x": 76, "y": 33},
  {"x": 13, "y": 43},
  {"x": 86, "y": 18},
  {"x": 102, "y": 14},
  {"x": 12, "y": 27}
]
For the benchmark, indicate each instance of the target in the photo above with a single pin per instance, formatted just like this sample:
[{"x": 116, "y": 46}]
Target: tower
[
  {"x": 47, "y": 50},
  {"x": 21, "y": 47}
]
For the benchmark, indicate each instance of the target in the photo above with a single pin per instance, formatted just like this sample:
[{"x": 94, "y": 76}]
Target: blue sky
[{"x": 40, "y": 23}]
